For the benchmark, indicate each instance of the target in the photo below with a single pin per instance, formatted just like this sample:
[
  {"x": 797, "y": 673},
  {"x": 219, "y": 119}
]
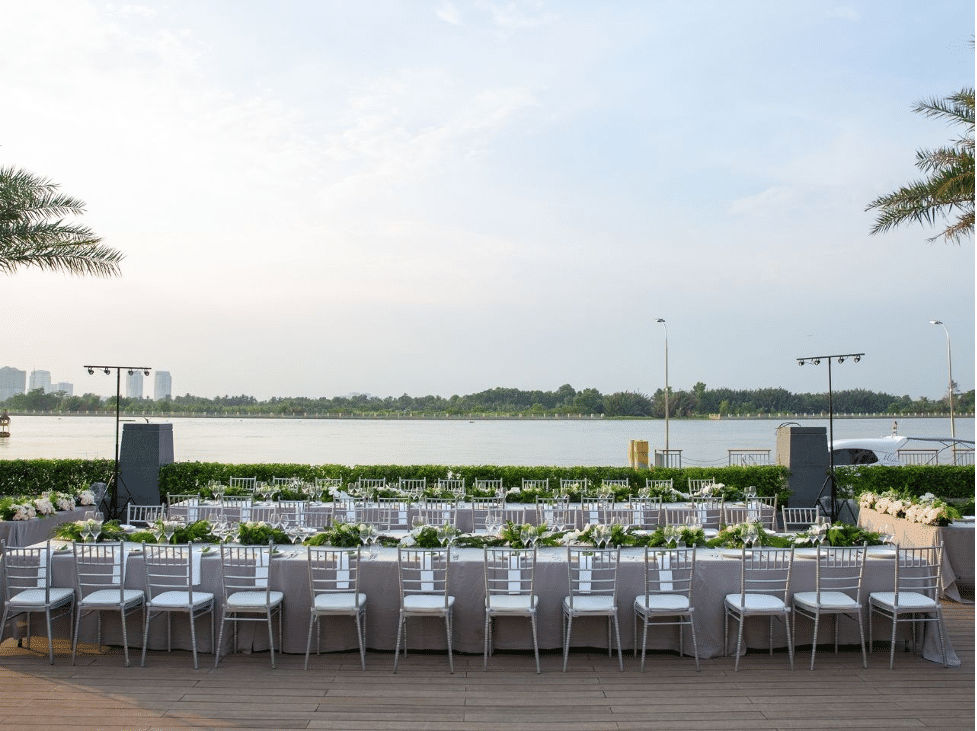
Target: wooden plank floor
[{"x": 244, "y": 692}]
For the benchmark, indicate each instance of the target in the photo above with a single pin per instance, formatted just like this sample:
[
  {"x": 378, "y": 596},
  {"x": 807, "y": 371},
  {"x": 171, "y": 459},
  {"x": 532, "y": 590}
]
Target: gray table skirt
[
  {"x": 957, "y": 540},
  {"x": 716, "y": 575},
  {"x": 38, "y": 530}
]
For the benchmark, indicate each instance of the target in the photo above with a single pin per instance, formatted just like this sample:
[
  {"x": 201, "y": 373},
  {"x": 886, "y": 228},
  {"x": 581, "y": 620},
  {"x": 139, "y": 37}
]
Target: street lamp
[
  {"x": 816, "y": 360},
  {"x": 949, "y": 366},
  {"x": 115, "y": 510},
  {"x": 665, "y": 328}
]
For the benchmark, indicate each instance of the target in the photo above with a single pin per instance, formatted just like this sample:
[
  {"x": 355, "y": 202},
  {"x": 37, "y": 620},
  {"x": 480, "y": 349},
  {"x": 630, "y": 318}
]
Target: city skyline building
[
  {"x": 40, "y": 380},
  {"x": 134, "y": 385},
  {"x": 68, "y": 389},
  {"x": 162, "y": 386},
  {"x": 13, "y": 382}
]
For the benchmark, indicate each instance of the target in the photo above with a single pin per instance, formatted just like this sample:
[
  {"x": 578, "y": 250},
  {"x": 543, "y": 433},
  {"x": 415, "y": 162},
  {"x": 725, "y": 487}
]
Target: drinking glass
[
  {"x": 86, "y": 531},
  {"x": 417, "y": 521},
  {"x": 169, "y": 528},
  {"x": 96, "y": 528}
]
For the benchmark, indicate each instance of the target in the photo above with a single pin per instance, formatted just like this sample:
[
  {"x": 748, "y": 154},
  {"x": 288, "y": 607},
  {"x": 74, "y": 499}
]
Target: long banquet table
[
  {"x": 717, "y": 573},
  {"x": 37, "y": 530},
  {"x": 957, "y": 540}
]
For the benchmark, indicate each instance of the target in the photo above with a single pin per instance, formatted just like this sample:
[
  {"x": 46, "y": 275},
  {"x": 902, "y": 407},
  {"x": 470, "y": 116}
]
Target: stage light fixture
[
  {"x": 146, "y": 372},
  {"x": 107, "y": 371},
  {"x": 91, "y": 371}
]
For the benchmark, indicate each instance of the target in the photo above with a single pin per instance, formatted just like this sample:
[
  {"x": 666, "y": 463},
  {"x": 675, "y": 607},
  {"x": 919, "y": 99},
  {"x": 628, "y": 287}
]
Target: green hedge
[
  {"x": 944, "y": 481},
  {"x": 34, "y": 476},
  {"x": 187, "y": 477}
]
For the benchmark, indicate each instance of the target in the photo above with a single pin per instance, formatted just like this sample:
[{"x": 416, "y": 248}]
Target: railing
[
  {"x": 748, "y": 457},
  {"x": 918, "y": 456},
  {"x": 668, "y": 458}
]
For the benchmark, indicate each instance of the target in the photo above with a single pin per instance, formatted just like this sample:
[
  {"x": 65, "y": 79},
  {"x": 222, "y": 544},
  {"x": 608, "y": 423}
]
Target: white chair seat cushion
[
  {"x": 674, "y": 603},
  {"x": 110, "y": 598},
  {"x": 176, "y": 599},
  {"x": 502, "y": 603},
  {"x": 908, "y": 601},
  {"x": 829, "y": 600},
  {"x": 35, "y": 598},
  {"x": 427, "y": 602},
  {"x": 339, "y": 602},
  {"x": 254, "y": 601},
  {"x": 590, "y": 604},
  {"x": 755, "y": 603}
]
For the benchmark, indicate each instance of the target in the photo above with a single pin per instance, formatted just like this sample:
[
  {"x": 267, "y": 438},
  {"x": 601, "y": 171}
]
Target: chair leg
[
  {"x": 488, "y": 640},
  {"x": 193, "y": 639},
  {"x": 220, "y": 641},
  {"x": 892, "y": 644},
  {"x": 361, "y": 636},
  {"x": 617, "y": 634},
  {"x": 814, "y": 641},
  {"x": 271, "y": 637},
  {"x": 400, "y": 627},
  {"x": 50, "y": 642},
  {"x": 695, "y": 645},
  {"x": 861, "y": 639},
  {"x": 448, "y": 625},
  {"x": 145, "y": 635},
  {"x": 566, "y": 640},
  {"x": 532, "y": 619},
  {"x": 308, "y": 644}
]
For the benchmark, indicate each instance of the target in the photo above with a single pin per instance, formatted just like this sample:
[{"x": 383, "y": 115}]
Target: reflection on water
[{"x": 504, "y": 442}]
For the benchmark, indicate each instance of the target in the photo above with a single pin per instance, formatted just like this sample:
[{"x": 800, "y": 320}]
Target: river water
[{"x": 440, "y": 442}]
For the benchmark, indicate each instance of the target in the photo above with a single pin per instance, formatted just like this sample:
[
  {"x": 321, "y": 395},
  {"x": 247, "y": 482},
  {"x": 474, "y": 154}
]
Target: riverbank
[{"x": 137, "y": 415}]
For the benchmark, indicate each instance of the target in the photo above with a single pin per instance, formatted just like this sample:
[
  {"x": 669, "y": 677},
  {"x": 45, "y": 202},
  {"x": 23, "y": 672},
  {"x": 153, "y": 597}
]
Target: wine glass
[
  {"x": 417, "y": 521},
  {"x": 885, "y": 533},
  {"x": 751, "y": 535},
  {"x": 85, "y": 529},
  {"x": 95, "y": 525},
  {"x": 169, "y": 528}
]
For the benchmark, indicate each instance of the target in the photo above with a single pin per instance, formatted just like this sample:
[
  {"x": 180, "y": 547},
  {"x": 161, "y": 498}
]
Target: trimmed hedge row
[
  {"x": 34, "y": 476},
  {"x": 945, "y": 481}
]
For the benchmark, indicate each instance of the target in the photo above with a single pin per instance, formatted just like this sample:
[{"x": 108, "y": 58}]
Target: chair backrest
[
  {"x": 660, "y": 484},
  {"x": 737, "y": 514},
  {"x": 413, "y": 486},
  {"x": 168, "y": 568},
  {"x": 613, "y": 484},
  {"x": 99, "y": 566},
  {"x": 482, "y": 507},
  {"x": 327, "y": 482},
  {"x": 210, "y": 513},
  {"x": 488, "y": 485},
  {"x": 509, "y": 572},
  {"x": 697, "y": 484},
  {"x": 766, "y": 571},
  {"x": 333, "y": 570},
  {"x": 840, "y": 569},
  {"x": 392, "y": 514},
  {"x": 567, "y": 486},
  {"x": 23, "y": 568},
  {"x": 556, "y": 512},
  {"x": 245, "y": 568},
  {"x": 764, "y": 510},
  {"x": 670, "y": 571},
  {"x": 678, "y": 515},
  {"x": 457, "y": 486},
  {"x": 592, "y": 571},
  {"x": 647, "y": 512},
  {"x": 423, "y": 571},
  {"x": 709, "y": 511},
  {"x": 592, "y": 509},
  {"x": 246, "y": 483},
  {"x": 619, "y": 514},
  {"x": 291, "y": 512},
  {"x": 543, "y": 484},
  {"x": 919, "y": 570},
  {"x": 283, "y": 481},
  {"x": 436, "y": 511},
  {"x": 798, "y": 518},
  {"x": 144, "y": 514},
  {"x": 186, "y": 499},
  {"x": 372, "y": 483},
  {"x": 263, "y": 514}
]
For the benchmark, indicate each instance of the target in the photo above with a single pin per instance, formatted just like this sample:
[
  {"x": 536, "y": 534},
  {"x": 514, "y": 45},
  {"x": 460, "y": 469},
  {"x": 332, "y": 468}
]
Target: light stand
[
  {"x": 667, "y": 452},
  {"x": 949, "y": 365},
  {"x": 830, "y": 479},
  {"x": 115, "y": 509}
]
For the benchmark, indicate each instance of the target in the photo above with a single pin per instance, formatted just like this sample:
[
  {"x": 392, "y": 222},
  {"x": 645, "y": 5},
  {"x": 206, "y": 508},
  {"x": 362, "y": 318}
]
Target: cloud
[
  {"x": 448, "y": 12},
  {"x": 770, "y": 201}
]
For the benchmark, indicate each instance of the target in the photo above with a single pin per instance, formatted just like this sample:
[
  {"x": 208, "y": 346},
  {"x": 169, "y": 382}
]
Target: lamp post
[
  {"x": 949, "y": 366},
  {"x": 665, "y": 328},
  {"x": 816, "y": 360},
  {"x": 115, "y": 509}
]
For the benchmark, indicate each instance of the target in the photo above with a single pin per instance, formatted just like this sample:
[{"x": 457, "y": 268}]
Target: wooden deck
[{"x": 244, "y": 692}]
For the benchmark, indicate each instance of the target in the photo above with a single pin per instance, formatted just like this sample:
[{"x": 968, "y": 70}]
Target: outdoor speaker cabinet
[
  {"x": 145, "y": 448},
  {"x": 804, "y": 451}
]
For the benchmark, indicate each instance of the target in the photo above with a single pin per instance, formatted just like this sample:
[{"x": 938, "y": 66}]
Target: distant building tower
[
  {"x": 40, "y": 380},
  {"x": 67, "y": 388},
  {"x": 134, "y": 385},
  {"x": 12, "y": 382},
  {"x": 162, "y": 386}
]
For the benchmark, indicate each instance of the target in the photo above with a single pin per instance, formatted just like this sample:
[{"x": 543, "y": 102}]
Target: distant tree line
[{"x": 564, "y": 401}]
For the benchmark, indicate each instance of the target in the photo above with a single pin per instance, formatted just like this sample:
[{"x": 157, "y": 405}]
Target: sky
[{"x": 322, "y": 197}]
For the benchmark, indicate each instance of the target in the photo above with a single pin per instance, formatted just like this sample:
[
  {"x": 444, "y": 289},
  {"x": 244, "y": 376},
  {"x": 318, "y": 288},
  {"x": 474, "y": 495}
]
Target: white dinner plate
[
  {"x": 735, "y": 553},
  {"x": 880, "y": 552},
  {"x": 805, "y": 553}
]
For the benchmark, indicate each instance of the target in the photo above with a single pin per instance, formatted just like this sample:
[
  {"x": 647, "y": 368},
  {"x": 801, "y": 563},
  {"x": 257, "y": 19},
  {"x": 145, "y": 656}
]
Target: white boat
[{"x": 894, "y": 450}]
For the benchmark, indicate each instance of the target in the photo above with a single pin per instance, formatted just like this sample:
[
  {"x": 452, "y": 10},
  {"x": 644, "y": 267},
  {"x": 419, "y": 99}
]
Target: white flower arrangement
[
  {"x": 23, "y": 511},
  {"x": 86, "y": 497},
  {"x": 44, "y": 506},
  {"x": 926, "y": 509},
  {"x": 64, "y": 502}
]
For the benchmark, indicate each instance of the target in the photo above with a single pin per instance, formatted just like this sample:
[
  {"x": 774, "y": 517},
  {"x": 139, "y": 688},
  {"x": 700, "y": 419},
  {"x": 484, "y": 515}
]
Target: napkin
[
  {"x": 664, "y": 573},
  {"x": 427, "y": 573},
  {"x": 342, "y": 571},
  {"x": 261, "y": 570},
  {"x": 515, "y": 575},
  {"x": 585, "y": 574}
]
